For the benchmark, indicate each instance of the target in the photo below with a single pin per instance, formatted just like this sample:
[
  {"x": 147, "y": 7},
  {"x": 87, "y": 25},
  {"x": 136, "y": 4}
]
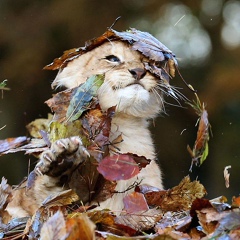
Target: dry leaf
[
  {"x": 60, "y": 199},
  {"x": 135, "y": 202},
  {"x": 141, "y": 221},
  {"x": 12, "y": 143},
  {"x": 236, "y": 201},
  {"x": 178, "y": 198},
  {"x": 54, "y": 228},
  {"x": 80, "y": 227}
]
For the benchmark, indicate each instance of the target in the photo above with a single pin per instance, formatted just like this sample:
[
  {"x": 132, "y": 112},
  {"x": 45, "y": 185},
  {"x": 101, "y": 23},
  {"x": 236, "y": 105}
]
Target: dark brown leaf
[{"x": 178, "y": 198}]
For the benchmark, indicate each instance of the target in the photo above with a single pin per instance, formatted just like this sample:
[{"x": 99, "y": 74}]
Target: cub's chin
[{"x": 133, "y": 100}]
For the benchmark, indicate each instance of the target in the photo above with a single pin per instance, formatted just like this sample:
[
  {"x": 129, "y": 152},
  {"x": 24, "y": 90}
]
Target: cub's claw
[{"x": 63, "y": 157}]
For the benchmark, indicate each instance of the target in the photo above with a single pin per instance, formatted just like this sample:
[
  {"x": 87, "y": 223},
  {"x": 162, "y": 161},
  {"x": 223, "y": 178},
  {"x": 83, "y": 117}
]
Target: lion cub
[{"x": 138, "y": 97}]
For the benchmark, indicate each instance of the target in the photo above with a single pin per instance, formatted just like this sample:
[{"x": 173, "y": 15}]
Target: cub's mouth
[{"x": 135, "y": 83}]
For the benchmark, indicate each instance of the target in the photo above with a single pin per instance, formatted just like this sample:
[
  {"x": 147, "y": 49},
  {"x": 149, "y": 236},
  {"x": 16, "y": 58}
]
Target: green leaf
[
  {"x": 204, "y": 154},
  {"x": 3, "y": 85},
  {"x": 83, "y": 97},
  {"x": 65, "y": 130}
]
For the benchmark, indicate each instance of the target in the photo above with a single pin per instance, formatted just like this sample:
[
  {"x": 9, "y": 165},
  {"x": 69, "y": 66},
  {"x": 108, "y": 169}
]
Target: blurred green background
[{"x": 205, "y": 36}]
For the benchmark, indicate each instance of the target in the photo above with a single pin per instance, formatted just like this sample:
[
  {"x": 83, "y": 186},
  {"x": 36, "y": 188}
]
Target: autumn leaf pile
[{"x": 181, "y": 212}]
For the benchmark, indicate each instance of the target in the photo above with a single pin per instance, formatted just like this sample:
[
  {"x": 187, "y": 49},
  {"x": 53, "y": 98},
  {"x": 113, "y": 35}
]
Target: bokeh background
[{"x": 205, "y": 36}]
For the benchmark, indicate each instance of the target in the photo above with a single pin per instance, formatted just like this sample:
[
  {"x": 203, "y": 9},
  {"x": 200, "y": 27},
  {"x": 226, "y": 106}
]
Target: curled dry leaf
[
  {"x": 12, "y": 143},
  {"x": 178, "y": 198},
  {"x": 226, "y": 176}
]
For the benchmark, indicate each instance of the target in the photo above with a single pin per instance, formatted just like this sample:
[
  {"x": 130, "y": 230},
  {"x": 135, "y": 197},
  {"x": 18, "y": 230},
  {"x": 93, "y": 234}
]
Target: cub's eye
[{"x": 112, "y": 58}]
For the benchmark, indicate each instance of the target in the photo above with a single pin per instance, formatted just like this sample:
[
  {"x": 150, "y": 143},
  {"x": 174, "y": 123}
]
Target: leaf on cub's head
[
  {"x": 83, "y": 96},
  {"x": 118, "y": 167},
  {"x": 161, "y": 59}
]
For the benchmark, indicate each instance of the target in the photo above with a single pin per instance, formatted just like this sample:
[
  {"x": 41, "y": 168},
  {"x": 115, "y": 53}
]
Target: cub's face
[{"x": 127, "y": 85}]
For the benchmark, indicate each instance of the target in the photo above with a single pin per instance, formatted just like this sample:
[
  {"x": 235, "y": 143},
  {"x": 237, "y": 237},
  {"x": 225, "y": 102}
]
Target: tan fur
[{"x": 136, "y": 102}]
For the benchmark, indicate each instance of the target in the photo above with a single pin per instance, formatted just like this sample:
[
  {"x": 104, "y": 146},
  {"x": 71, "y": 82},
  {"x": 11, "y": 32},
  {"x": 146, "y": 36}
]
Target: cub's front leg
[
  {"x": 62, "y": 159},
  {"x": 53, "y": 171}
]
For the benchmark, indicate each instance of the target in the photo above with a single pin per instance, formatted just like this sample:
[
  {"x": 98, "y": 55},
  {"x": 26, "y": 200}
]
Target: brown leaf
[
  {"x": 12, "y": 143},
  {"x": 54, "y": 228},
  {"x": 236, "y": 201},
  {"x": 59, "y": 103},
  {"x": 178, "y": 198},
  {"x": 135, "y": 202},
  {"x": 80, "y": 227},
  {"x": 60, "y": 199},
  {"x": 118, "y": 167}
]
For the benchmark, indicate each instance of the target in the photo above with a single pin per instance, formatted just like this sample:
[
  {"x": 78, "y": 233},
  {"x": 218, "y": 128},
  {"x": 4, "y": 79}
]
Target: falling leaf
[
  {"x": 54, "y": 228},
  {"x": 135, "y": 202},
  {"x": 3, "y": 85},
  {"x": 200, "y": 149},
  {"x": 178, "y": 198},
  {"x": 226, "y": 176},
  {"x": 118, "y": 167},
  {"x": 83, "y": 96}
]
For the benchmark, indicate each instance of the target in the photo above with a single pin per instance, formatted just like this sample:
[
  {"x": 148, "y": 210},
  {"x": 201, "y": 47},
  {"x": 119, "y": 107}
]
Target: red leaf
[
  {"x": 135, "y": 202},
  {"x": 118, "y": 167}
]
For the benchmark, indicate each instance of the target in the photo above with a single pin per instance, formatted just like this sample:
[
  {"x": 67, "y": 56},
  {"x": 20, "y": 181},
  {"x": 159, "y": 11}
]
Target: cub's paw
[{"x": 62, "y": 158}]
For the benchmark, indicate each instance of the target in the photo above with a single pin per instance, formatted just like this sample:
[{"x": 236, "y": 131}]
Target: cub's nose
[{"x": 137, "y": 73}]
